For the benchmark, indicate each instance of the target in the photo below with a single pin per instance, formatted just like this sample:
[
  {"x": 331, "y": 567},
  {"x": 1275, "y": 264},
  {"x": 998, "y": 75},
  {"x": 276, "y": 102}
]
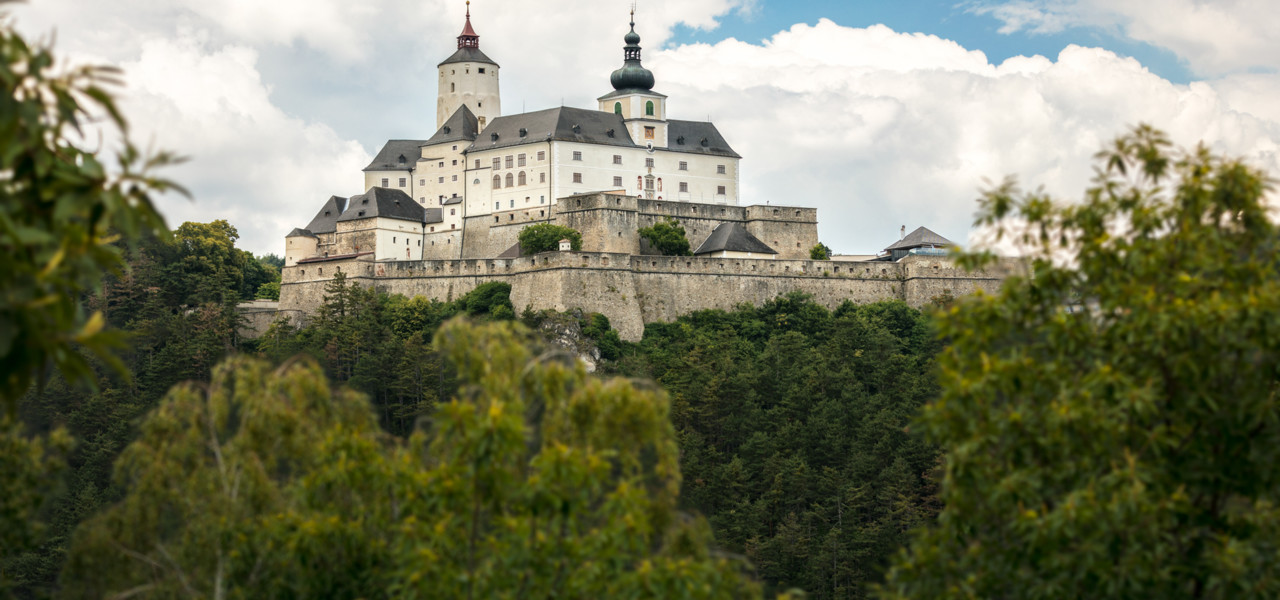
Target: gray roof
[
  {"x": 386, "y": 203},
  {"x": 592, "y": 127},
  {"x": 452, "y": 200},
  {"x": 732, "y": 237},
  {"x": 462, "y": 126},
  {"x": 920, "y": 238},
  {"x": 298, "y": 232},
  {"x": 619, "y": 93},
  {"x": 464, "y": 55},
  {"x": 388, "y": 159},
  {"x": 512, "y": 252},
  {"x": 326, "y": 221},
  {"x": 697, "y": 137}
]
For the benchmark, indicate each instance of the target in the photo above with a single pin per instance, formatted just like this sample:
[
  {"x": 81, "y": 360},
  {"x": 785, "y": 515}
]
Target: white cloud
[
  {"x": 881, "y": 129},
  {"x": 251, "y": 163},
  {"x": 1213, "y": 36}
]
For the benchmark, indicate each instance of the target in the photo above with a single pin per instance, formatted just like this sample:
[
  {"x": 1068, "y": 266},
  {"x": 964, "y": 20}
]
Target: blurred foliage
[
  {"x": 1110, "y": 422},
  {"x": 536, "y": 481}
]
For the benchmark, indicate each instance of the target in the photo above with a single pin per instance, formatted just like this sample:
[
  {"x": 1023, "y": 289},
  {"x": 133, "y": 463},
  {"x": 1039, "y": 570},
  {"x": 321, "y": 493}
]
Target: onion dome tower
[
  {"x": 643, "y": 110},
  {"x": 468, "y": 78}
]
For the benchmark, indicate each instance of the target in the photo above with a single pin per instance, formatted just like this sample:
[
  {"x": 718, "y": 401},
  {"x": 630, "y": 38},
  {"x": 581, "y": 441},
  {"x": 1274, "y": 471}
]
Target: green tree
[
  {"x": 1110, "y": 421},
  {"x": 667, "y": 237},
  {"x": 537, "y": 481},
  {"x": 820, "y": 251},
  {"x": 62, "y": 207},
  {"x": 545, "y": 237}
]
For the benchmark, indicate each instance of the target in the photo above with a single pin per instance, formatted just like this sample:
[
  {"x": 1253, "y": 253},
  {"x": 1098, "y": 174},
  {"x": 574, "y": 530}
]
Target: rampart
[{"x": 633, "y": 290}]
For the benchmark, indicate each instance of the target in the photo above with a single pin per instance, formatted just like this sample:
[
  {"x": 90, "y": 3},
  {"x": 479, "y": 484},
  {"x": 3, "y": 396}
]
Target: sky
[{"x": 880, "y": 114}]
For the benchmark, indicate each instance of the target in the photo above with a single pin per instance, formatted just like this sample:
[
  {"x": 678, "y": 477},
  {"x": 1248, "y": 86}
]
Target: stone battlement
[{"x": 633, "y": 290}]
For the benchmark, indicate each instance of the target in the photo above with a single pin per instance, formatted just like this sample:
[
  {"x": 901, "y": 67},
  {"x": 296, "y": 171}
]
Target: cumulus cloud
[
  {"x": 881, "y": 129},
  {"x": 251, "y": 163},
  {"x": 1213, "y": 36}
]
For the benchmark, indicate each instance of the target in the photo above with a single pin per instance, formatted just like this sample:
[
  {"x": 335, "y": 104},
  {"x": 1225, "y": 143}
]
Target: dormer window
[
  {"x": 577, "y": 128},
  {"x": 493, "y": 136},
  {"x": 401, "y": 160}
]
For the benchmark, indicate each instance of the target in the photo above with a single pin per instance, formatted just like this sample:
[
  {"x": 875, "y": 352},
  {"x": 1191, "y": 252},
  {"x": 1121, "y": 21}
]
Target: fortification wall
[{"x": 634, "y": 290}]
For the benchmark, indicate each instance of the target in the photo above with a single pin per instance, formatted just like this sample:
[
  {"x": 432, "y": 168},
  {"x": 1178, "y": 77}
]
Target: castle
[{"x": 441, "y": 216}]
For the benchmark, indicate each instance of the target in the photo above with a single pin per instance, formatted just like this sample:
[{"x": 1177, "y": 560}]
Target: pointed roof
[
  {"x": 468, "y": 45},
  {"x": 388, "y": 204},
  {"x": 733, "y": 237},
  {"x": 461, "y": 127},
  {"x": 397, "y": 155},
  {"x": 632, "y": 77},
  {"x": 920, "y": 238},
  {"x": 326, "y": 221}
]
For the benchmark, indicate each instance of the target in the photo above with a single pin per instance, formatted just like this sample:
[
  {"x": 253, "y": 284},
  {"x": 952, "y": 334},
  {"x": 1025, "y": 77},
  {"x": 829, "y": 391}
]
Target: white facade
[{"x": 474, "y": 84}]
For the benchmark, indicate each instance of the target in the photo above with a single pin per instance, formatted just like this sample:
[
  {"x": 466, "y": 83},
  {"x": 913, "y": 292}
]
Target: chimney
[{"x": 902, "y": 233}]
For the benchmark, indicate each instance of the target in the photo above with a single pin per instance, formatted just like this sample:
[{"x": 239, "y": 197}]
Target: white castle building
[{"x": 511, "y": 169}]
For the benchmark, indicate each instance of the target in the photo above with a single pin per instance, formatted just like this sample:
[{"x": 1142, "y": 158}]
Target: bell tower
[
  {"x": 469, "y": 78},
  {"x": 643, "y": 110}
]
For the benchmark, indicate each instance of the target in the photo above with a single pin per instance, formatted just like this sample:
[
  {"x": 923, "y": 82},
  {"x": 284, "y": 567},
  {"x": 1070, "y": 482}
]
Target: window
[
  {"x": 684, "y": 166},
  {"x": 386, "y": 182},
  {"x": 648, "y": 108},
  {"x": 481, "y": 70},
  {"x": 617, "y": 182},
  {"x": 684, "y": 186},
  {"x": 455, "y": 147},
  {"x": 442, "y": 164},
  {"x": 639, "y": 183},
  {"x": 422, "y": 182},
  {"x": 497, "y": 163},
  {"x": 511, "y": 180},
  {"x": 497, "y": 182},
  {"x": 453, "y": 211},
  {"x": 497, "y": 206},
  {"x": 648, "y": 162},
  {"x": 513, "y": 203},
  {"x": 650, "y": 133},
  {"x": 577, "y": 155},
  {"x": 659, "y": 184},
  {"x": 521, "y": 179},
  {"x": 577, "y": 177},
  {"x": 453, "y": 87},
  {"x": 441, "y": 180},
  {"x": 477, "y": 163},
  {"x": 542, "y": 177},
  {"x": 520, "y": 160},
  {"x": 720, "y": 170},
  {"x": 433, "y": 229},
  {"x": 617, "y": 159},
  {"x": 542, "y": 155},
  {"x": 455, "y": 177},
  {"x": 455, "y": 163},
  {"x": 393, "y": 239},
  {"x": 617, "y": 108},
  {"x": 509, "y": 159},
  {"x": 403, "y": 182},
  {"x": 719, "y": 190}
]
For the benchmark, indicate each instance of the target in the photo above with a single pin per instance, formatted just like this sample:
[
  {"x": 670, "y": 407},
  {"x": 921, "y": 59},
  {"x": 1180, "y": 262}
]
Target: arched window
[
  {"x": 648, "y": 108},
  {"x": 639, "y": 182},
  {"x": 521, "y": 179},
  {"x": 659, "y": 184},
  {"x": 510, "y": 180},
  {"x": 617, "y": 108},
  {"x": 497, "y": 182}
]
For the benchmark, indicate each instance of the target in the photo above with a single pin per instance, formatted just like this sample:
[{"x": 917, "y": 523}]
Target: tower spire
[
  {"x": 469, "y": 37},
  {"x": 632, "y": 75}
]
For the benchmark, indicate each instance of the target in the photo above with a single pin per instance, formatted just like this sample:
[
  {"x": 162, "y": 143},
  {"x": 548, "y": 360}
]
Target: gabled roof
[
  {"x": 732, "y": 237},
  {"x": 462, "y": 126},
  {"x": 920, "y": 238},
  {"x": 388, "y": 159},
  {"x": 326, "y": 221},
  {"x": 564, "y": 123},
  {"x": 386, "y": 203},
  {"x": 697, "y": 137},
  {"x": 466, "y": 55}
]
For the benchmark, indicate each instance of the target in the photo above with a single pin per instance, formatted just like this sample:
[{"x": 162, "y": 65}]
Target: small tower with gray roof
[{"x": 468, "y": 78}]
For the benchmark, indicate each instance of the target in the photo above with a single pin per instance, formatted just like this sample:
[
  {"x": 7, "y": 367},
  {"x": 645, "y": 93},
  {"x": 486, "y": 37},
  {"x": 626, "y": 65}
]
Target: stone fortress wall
[{"x": 633, "y": 290}]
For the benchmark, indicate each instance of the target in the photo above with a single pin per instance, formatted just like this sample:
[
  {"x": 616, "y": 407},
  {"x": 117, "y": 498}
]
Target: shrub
[{"x": 545, "y": 237}]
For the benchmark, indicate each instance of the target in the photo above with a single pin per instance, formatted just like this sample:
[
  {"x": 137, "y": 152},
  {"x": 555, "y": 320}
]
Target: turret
[
  {"x": 643, "y": 110},
  {"x": 469, "y": 78}
]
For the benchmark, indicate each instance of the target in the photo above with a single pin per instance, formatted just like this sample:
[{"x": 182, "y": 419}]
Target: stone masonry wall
[{"x": 634, "y": 290}]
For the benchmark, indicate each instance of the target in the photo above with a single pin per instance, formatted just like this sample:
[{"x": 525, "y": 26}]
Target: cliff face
[{"x": 634, "y": 290}]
